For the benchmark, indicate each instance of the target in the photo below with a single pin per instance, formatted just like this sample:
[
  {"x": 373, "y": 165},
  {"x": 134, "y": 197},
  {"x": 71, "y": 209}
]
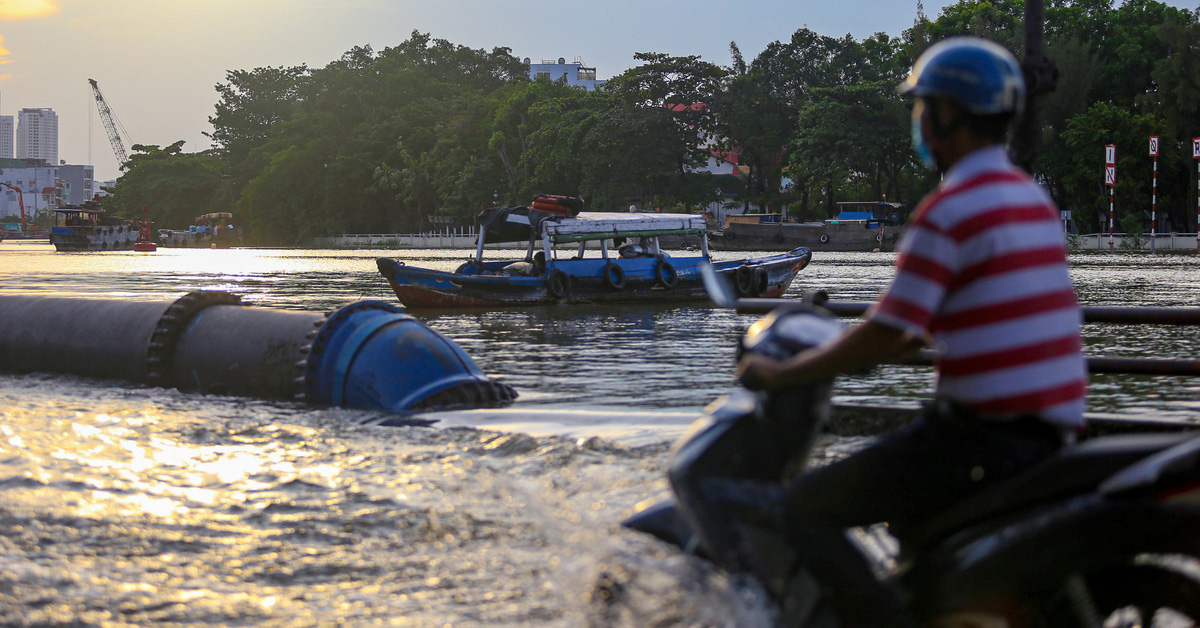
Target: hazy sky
[{"x": 157, "y": 61}]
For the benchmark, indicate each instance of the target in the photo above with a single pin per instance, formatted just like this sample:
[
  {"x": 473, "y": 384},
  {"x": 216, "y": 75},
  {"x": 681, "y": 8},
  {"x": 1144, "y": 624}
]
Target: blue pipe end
[{"x": 370, "y": 354}]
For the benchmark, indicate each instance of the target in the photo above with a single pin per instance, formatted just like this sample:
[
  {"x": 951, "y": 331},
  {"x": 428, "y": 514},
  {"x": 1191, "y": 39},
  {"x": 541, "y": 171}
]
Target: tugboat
[{"x": 87, "y": 228}]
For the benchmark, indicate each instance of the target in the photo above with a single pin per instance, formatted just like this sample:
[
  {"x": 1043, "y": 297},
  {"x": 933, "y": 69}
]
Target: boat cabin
[
  {"x": 597, "y": 237},
  {"x": 872, "y": 213}
]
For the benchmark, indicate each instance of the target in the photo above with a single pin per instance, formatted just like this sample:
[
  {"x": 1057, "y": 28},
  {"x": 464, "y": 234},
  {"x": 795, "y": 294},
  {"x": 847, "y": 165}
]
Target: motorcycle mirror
[{"x": 718, "y": 291}]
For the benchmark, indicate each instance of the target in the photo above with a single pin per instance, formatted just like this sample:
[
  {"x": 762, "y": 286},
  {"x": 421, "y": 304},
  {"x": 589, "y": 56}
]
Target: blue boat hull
[{"x": 642, "y": 279}]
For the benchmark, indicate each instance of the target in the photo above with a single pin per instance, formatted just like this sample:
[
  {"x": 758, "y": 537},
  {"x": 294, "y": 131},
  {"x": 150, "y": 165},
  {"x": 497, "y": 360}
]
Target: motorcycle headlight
[{"x": 784, "y": 333}]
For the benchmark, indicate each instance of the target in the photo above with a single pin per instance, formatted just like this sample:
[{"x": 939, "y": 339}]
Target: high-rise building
[
  {"x": 6, "y": 137},
  {"x": 37, "y": 135}
]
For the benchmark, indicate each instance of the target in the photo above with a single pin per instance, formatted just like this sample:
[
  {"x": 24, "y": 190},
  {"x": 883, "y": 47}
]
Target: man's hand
[
  {"x": 758, "y": 372},
  {"x": 861, "y": 348}
]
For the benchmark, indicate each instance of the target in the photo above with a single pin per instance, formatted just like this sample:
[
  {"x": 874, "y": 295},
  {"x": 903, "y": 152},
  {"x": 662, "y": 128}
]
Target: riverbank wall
[
  {"x": 1123, "y": 242},
  {"x": 465, "y": 239}
]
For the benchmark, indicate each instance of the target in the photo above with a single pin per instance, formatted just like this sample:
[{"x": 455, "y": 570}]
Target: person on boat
[
  {"x": 981, "y": 277},
  {"x": 528, "y": 268}
]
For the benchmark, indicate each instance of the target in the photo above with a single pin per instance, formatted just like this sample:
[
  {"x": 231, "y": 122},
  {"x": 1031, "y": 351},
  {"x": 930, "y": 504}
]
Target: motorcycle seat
[{"x": 1075, "y": 469}]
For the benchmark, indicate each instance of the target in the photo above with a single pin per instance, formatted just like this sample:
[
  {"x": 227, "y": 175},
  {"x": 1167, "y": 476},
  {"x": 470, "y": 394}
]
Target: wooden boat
[{"x": 569, "y": 259}]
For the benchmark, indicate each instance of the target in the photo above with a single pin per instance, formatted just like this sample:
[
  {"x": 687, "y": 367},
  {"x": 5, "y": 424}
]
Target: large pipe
[
  {"x": 1091, "y": 314},
  {"x": 1102, "y": 314},
  {"x": 368, "y": 354}
]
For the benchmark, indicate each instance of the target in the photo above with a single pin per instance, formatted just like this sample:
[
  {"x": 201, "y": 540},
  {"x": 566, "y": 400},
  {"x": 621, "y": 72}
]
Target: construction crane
[{"x": 110, "y": 125}]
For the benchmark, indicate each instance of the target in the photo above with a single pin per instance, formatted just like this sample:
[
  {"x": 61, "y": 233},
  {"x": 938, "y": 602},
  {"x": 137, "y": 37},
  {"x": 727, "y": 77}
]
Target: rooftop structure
[{"x": 575, "y": 73}]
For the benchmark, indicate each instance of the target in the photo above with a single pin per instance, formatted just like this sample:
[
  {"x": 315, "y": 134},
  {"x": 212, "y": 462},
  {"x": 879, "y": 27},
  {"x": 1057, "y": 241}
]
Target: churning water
[{"x": 124, "y": 504}]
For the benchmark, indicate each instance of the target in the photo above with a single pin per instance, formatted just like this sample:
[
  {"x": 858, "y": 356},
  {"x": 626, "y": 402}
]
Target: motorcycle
[{"x": 1106, "y": 532}]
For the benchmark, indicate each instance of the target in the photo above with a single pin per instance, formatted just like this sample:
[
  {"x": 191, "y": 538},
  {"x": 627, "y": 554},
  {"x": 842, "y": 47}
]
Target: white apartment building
[
  {"x": 37, "y": 135},
  {"x": 6, "y": 137},
  {"x": 575, "y": 73},
  {"x": 39, "y": 190}
]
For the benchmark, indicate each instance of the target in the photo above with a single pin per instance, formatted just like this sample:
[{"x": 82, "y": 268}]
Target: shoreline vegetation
[{"x": 427, "y": 133}]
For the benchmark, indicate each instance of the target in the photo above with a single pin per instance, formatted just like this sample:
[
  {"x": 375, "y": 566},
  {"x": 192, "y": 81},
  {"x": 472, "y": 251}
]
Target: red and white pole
[
  {"x": 1110, "y": 179},
  {"x": 1154, "y": 192},
  {"x": 1196, "y": 156}
]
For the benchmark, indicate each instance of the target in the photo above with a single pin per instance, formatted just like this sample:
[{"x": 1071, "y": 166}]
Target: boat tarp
[{"x": 517, "y": 224}]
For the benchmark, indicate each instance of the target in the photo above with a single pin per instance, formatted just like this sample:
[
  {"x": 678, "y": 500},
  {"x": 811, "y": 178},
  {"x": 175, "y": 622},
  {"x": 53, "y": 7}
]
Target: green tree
[
  {"x": 1177, "y": 78},
  {"x": 173, "y": 187},
  {"x": 1078, "y": 163},
  {"x": 252, "y": 105},
  {"x": 854, "y": 138},
  {"x": 672, "y": 97}
]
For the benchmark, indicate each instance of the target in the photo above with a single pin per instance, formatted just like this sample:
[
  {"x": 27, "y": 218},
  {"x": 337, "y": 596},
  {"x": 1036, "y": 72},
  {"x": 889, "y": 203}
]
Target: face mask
[{"x": 920, "y": 146}]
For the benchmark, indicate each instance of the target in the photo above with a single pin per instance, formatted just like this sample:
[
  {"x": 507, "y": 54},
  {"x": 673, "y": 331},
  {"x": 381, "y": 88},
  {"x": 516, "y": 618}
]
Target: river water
[{"x": 124, "y": 504}]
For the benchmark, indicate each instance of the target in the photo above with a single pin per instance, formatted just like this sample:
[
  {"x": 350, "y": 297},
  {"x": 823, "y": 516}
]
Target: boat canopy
[
  {"x": 520, "y": 224},
  {"x": 214, "y": 216}
]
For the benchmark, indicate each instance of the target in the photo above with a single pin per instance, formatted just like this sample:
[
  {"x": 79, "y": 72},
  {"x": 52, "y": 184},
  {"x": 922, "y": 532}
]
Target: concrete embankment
[
  {"x": 1124, "y": 242},
  {"x": 400, "y": 240}
]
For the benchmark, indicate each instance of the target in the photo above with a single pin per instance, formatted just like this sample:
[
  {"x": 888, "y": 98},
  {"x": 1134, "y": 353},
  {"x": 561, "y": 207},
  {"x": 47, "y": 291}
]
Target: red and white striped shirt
[{"x": 982, "y": 268}]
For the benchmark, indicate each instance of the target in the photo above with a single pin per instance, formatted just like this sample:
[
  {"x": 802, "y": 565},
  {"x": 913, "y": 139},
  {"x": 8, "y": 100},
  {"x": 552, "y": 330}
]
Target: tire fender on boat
[
  {"x": 614, "y": 276},
  {"x": 558, "y": 283},
  {"x": 824, "y": 238},
  {"x": 879, "y": 238},
  {"x": 666, "y": 274},
  {"x": 760, "y": 282},
  {"x": 744, "y": 280}
]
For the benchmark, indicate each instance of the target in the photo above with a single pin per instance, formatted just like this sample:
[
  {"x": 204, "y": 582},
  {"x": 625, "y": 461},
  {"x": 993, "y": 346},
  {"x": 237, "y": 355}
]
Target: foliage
[
  {"x": 1134, "y": 239},
  {"x": 171, "y": 186},
  {"x": 396, "y": 139},
  {"x": 1077, "y": 163}
]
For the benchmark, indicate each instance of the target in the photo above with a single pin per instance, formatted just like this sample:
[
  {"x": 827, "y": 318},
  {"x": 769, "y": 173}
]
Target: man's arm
[{"x": 866, "y": 345}]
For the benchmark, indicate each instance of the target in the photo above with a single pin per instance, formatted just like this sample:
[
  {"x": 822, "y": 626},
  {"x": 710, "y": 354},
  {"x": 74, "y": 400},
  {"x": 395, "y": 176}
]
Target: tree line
[{"x": 383, "y": 141}]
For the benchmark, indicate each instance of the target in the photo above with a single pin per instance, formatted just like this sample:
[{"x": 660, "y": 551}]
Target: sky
[{"x": 157, "y": 62}]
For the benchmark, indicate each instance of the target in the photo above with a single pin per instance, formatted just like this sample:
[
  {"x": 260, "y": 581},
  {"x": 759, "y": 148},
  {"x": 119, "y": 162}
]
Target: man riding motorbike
[{"x": 981, "y": 277}]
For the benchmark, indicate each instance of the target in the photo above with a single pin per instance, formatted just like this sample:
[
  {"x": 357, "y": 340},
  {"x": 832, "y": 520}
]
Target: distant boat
[
  {"x": 87, "y": 228},
  {"x": 214, "y": 230},
  {"x": 577, "y": 265},
  {"x": 859, "y": 226}
]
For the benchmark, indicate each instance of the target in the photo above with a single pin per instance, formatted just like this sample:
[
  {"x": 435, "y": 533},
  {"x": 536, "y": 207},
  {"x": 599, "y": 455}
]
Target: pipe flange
[
  {"x": 320, "y": 338},
  {"x": 160, "y": 353}
]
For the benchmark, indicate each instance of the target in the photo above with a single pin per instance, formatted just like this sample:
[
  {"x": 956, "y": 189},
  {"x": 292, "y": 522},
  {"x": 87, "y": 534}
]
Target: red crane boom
[{"x": 21, "y": 202}]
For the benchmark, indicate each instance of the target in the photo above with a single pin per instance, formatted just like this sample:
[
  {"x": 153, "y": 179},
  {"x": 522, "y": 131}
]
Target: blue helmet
[{"x": 979, "y": 74}]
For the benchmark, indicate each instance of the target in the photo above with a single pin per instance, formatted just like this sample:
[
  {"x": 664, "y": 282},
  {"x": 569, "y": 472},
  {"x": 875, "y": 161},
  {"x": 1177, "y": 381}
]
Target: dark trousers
[{"x": 903, "y": 479}]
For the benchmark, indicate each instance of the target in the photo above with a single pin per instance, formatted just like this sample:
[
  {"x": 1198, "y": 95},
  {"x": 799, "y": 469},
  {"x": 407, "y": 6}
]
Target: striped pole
[
  {"x": 1154, "y": 208},
  {"x": 1154, "y": 193},
  {"x": 1196, "y": 156},
  {"x": 1110, "y": 179}
]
